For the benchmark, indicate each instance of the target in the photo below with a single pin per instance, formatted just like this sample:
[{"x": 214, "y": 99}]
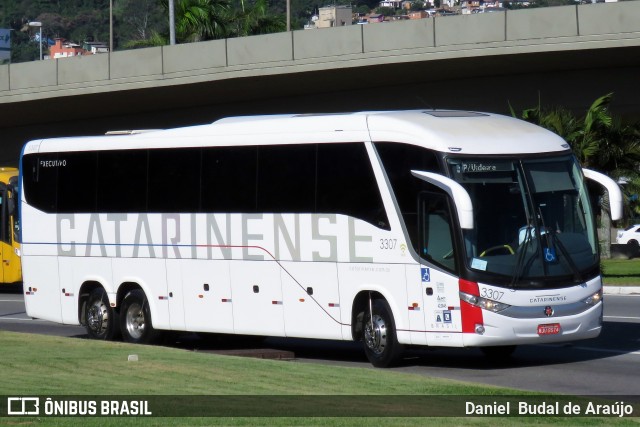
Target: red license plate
[{"x": 549, "y": 329}]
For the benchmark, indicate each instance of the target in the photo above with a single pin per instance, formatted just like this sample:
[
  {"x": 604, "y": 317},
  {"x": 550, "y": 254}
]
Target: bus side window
[{"x": 436, "y": 234}]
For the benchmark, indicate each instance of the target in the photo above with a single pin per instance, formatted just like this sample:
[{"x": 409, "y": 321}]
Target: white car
[{"x": 630, "y": 236}]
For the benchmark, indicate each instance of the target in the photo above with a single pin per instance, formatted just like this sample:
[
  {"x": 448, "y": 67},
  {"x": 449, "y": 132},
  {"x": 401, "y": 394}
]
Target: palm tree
[
  {"x": 154, "y": 39},
  {"x": 586, "y": 135},
  {"x": 592, "y": 139},
  {"x": 198, "y": 20},
  {"x": 255, "y": 19}
]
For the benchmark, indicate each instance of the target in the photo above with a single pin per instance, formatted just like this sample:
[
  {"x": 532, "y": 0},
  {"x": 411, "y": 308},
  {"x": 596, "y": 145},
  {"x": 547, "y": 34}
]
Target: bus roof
[{"x": 441, "y": 130}]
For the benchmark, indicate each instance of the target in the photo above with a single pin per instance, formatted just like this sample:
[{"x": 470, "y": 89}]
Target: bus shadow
[
  {"x": 14, "y": 288},
  {"x": 617, "y": 338}
]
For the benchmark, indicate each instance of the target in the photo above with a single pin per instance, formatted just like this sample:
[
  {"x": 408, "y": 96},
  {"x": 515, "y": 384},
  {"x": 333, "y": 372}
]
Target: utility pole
[
  {"x": 172, "y": 23},
  {"x": 288, "y": 15},
  {"x": 110, "y": 26}
]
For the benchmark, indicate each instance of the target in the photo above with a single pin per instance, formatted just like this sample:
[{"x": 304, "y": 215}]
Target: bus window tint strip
[{"x": 308, "y": 178}]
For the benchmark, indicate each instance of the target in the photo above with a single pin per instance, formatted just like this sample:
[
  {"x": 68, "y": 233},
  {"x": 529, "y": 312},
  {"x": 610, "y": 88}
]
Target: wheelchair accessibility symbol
[
  {"x": 550, "y": 255},
  {"x": 426, "y": 275}
]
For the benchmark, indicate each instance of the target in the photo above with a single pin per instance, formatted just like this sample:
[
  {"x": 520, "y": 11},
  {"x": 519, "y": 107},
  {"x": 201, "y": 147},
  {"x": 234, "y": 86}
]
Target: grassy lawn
[
  {"x": 52, "y": 366},
  {"x": 621, "y": 272}
]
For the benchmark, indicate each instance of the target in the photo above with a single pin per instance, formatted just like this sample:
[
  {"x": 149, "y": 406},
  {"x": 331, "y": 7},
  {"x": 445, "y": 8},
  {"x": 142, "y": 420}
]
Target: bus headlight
[
  {"x": 593, "y": 299},
  {"x": 483, "y": 303}
]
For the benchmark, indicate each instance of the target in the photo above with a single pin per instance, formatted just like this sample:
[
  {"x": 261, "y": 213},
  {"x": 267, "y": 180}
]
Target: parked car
[{"x": 629, "y": 236}]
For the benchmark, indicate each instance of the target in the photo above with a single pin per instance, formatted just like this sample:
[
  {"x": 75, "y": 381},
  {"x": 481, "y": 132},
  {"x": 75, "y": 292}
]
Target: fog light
[{"x": 479, "y": 329}]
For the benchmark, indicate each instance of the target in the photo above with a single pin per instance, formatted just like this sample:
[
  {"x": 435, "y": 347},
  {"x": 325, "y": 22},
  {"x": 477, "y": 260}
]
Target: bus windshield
[{"x": 533, "y": 220}]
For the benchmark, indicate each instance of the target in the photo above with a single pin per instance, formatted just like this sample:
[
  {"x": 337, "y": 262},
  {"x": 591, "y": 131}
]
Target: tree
[
  {"x": 138, "y": 18},
  {"x": 386, "y": 11},
  {"x": 198, "y": 20},
  {"x": 153, "y": 39},
  {"x": 255, "y": 19},
  {"x": 417, "y": 5},
  {"x": 587, "y": 136}
]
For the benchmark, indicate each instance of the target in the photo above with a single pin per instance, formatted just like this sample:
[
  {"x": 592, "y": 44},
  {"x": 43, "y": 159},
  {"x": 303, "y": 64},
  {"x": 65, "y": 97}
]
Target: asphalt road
[{"x": 607, "y": 365}]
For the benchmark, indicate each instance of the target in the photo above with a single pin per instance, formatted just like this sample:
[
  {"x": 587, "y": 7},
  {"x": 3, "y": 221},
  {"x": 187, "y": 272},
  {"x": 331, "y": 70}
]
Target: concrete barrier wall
[
  {"x": 561, "y": 21},
  {"x": 325, "y": 42},
  {"x": 4, "y": 78},
  {"x": 470, "y": 29},
  {"x": 398, "y": 35},
  {"x": 260, "y": 49},
  {"x": 362, "y": 42},
  {"x": 82, "y": 69},
  {"x": 194, "y": 56},
  {"x": 34, "y": 75},
  {"x": 136, "y": 63},
  {"x": 609, "y": 18}
]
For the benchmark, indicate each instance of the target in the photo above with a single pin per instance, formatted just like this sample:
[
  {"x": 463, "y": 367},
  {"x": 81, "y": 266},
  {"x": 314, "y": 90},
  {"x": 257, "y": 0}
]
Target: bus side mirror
[
  {"x": 461, "y": 199},
  {"x": 615, "y": 195}
]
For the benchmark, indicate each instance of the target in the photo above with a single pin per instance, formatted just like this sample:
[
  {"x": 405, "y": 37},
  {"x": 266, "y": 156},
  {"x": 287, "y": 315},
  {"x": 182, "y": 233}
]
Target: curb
[{"x": 621, "y": 290}]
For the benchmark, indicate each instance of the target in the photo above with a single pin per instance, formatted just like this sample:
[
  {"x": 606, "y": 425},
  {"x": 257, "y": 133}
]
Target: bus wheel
[
  {"x": 499, "y": 353},
  {"x": 380, "y": 342},
  {"x": 135, "y": 318},
  {"x": 101, "y": 320}
]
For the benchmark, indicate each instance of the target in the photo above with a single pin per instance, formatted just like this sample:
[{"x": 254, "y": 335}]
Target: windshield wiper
[
  {"x": 567, "y": 257},
  {"x": 553, "y": 241},
  {"x": 522, "y": 251},
  {"x": 532, "y": 224}
]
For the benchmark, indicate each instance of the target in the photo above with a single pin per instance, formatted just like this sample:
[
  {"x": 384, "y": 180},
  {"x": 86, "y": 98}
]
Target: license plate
[{"x": 549, "y": 329}]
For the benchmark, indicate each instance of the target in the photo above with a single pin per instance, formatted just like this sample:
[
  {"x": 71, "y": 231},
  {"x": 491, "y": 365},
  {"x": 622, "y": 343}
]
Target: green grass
[
  {"x": 621, "y": 272},
  {"x": 54, "y": 366},
  {"x": 73, "y": 366}
]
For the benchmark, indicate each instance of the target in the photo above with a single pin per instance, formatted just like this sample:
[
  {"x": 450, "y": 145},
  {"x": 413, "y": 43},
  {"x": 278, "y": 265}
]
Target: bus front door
[{"x": 440, "y": 285}]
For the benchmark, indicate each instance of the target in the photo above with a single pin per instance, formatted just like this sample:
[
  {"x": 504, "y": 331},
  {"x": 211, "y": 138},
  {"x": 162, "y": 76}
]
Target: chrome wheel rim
[
  {"x": 375, "y": 334},
  {"x": 98, "y": 317},
  {"x": 135, "y": 320}
]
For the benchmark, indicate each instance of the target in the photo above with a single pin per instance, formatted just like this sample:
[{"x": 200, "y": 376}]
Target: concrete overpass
[{"x": 566, "y": 55}]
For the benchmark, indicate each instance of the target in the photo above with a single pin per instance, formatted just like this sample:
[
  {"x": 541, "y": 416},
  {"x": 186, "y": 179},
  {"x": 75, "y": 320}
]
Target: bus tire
[
  {"x": 135, "y": 318},
  {"x": 379, "y": 336},
  {"x": 100, "y": 319}
]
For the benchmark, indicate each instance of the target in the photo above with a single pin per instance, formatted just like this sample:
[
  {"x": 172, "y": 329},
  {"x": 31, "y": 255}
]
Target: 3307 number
[
  {"x": 491, "y": 294},
  {"x": 388, "y": 243}
]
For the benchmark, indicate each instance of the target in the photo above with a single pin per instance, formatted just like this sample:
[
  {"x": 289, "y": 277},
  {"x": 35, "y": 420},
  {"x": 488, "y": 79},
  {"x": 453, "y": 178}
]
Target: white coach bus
[{"x": 407, "y": 228}]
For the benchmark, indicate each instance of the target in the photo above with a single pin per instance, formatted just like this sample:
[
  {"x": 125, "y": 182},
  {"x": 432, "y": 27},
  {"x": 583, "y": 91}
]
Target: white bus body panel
[
  {"x": 42, "y": 298},
  {"x": 257, "y": 298},
  {"x": 415, "y": 305},
  {"x": 442, "y": 308},
  {"x": 176, "y": 294},
  {"x": 207, "y": 296},
  {"x": 311, "y": 300}
]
